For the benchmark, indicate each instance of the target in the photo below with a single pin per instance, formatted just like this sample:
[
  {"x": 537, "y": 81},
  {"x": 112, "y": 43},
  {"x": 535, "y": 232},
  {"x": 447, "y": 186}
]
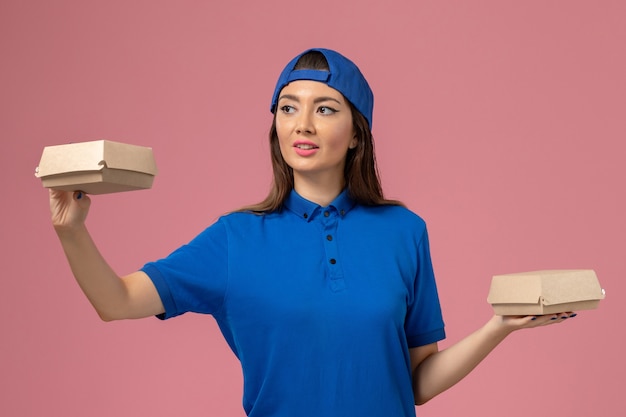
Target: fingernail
[
  {"x": 534, "y": 318},
  {"x": 553, "y": 318},
  {"x": 573, "y": 315},
  {"x": 79, "y": 195}
]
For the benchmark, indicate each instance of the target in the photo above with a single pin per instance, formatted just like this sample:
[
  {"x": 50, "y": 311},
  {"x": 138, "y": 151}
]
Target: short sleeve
[
  {"x": 424, "y": 322},
  {"x": 194, "y": 277}
]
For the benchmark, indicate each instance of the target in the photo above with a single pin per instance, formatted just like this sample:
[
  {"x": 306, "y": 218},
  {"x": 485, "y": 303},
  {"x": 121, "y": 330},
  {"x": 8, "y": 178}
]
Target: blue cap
[{"x": 344, "y": 76}]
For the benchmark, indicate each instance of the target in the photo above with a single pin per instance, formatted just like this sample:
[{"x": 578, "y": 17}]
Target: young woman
[{"x": 325, "y": 290}]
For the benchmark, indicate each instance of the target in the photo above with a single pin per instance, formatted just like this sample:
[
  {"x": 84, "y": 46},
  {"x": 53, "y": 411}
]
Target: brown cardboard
[
  {"x": 97, "y": 167},
  {"x": 545, "y": 292}
]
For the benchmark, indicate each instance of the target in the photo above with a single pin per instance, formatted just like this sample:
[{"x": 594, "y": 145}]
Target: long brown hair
[{"x": 360, "y": 172}]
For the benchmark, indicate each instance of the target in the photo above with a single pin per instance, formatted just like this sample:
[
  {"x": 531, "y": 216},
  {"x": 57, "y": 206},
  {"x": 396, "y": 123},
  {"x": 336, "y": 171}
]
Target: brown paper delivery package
[
  {"x": 545, "y": 292},
  {"x": 97, "y": 167}
]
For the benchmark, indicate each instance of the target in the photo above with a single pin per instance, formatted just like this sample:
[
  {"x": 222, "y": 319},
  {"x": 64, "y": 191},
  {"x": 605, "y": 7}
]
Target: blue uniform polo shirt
[{"x": 320, "y": 304}]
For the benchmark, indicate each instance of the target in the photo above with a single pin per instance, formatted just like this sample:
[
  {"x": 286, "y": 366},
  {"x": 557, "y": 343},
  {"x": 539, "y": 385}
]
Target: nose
[{"x": 305, "y": 124}]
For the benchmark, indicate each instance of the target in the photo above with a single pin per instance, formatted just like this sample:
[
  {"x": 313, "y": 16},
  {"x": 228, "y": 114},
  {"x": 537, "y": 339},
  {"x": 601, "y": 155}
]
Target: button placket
[{"x": 330, "y": 221}]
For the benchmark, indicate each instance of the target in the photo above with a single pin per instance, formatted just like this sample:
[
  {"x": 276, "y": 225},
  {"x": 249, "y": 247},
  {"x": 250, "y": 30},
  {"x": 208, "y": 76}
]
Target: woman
[{"x": 325, "y": 290}]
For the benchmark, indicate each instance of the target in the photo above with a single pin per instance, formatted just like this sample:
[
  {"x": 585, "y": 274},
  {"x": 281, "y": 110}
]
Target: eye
[
  {"x": 326, "y": 110},
  {"x": 287, "y": 109}
]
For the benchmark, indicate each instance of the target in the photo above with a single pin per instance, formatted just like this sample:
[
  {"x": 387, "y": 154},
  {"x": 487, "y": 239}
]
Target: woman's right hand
[
  {"x": 68, "y": 209},
  {"x": 113, "y": 297}
]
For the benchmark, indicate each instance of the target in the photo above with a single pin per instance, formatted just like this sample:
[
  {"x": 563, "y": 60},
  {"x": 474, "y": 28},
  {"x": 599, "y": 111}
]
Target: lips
[
  {"x": 305, "y": 148},
  {"x": 305, "y": 145}
]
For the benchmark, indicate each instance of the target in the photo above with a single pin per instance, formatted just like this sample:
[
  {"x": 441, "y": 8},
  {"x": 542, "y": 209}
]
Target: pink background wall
[{"x": 503, "y": 123}]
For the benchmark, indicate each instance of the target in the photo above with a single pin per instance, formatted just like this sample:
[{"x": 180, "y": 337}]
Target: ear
[{"x": 353, "y": 142}]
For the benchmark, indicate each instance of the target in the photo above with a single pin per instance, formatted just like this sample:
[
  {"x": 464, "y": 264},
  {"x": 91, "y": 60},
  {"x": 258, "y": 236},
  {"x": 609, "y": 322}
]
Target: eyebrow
[{"x": 316, "y": 100}]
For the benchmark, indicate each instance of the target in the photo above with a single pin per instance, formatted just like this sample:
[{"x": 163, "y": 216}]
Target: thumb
[{"x": 82, "y": 199}]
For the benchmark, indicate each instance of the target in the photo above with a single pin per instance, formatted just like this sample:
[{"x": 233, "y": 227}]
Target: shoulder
[
  {"x": 248, "y": 221},
  {"x": 226, "y": 228},
  {"x": 391, "y": 214},
  {"x": 247, "y": 217},
  {"x": 389, "y": 222}
]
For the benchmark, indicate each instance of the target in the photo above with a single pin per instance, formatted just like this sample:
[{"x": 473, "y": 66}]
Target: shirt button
[
  {"x": 326, "y": 214},
  {"x": 333, "y": 261},
  {"x": 306, "y": 216},
  {"x": 343, "y": 212},
  {"x": 329, "y": 237}
]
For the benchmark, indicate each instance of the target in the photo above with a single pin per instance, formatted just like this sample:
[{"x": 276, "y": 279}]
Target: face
[{"x": 314, "y": 128}]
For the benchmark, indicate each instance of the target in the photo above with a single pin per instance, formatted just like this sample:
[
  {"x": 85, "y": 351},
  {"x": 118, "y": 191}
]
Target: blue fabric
[
  {"x": 343, "y": 75},
  {"x": 320, "y": 305}
]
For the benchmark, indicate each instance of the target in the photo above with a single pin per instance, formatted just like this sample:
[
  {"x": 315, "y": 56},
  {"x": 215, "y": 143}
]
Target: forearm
[
  {"x": 445, "y": 368},
  {"x": 102, "y": 286}
]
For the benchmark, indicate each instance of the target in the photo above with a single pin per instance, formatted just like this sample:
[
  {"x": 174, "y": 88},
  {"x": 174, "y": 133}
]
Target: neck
[{"x": 318, "y": 190}]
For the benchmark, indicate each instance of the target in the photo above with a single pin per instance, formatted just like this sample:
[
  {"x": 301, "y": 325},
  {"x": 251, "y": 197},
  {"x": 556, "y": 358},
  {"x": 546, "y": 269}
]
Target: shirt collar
[{"x": 306, "y": 209}]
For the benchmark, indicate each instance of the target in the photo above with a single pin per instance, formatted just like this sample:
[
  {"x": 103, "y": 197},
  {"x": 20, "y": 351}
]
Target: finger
[
  {"x": 82, "y": 199},
  {"x": 521, "y": 322},
  {"x": 57, "y": 194},
  {"x": 555, "y": 318},
  {"x": 81, "y": 196},
  {"x": 567, "y": 315},
  {"x": 564, "y": 315},
  {"x": 543, "y": 320}
]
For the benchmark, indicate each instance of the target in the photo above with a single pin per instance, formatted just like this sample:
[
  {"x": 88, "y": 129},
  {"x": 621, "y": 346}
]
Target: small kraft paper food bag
[
  {"x": 97, "y": 167},
  {"x": 545, "y": 292}
]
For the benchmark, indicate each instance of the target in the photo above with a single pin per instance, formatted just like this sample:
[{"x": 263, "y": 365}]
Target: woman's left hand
[{"x": 527, "y": 322}]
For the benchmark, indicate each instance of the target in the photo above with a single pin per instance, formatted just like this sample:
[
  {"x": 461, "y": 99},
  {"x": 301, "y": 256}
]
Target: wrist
[
  {"x": 498, "y": 327},
  {"x": 65, "y": 231}
]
